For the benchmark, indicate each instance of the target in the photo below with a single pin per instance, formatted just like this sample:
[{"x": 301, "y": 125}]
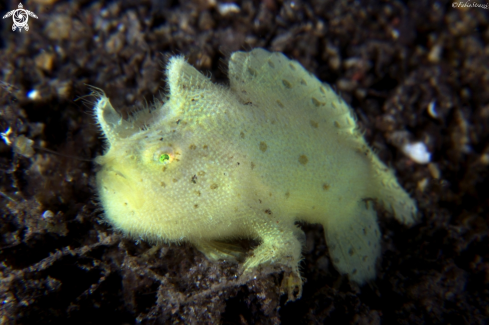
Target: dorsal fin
[
  {"x": 272, "y": 80},
  {"x": 180, "y": 73},
  {"x": 187, "y": 86}
]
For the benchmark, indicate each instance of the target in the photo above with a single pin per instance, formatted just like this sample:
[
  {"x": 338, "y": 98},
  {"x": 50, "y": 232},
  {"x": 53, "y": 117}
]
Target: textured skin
[{"x": 276, "y": 147}]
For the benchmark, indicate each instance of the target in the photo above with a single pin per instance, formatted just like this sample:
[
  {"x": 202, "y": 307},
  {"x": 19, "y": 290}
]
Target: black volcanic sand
[{"x": 390, "y": 61}]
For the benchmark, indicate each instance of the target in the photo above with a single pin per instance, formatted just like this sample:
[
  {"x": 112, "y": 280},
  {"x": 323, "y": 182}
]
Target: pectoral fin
[{"x": 353, "y": 238}]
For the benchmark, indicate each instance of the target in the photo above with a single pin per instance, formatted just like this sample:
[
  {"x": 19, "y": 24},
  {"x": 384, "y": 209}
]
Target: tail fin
[{"x": 391, "y": 195}]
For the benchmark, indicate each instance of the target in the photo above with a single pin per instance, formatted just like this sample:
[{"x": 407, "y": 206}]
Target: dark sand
[{"x": 388, "y": 60}]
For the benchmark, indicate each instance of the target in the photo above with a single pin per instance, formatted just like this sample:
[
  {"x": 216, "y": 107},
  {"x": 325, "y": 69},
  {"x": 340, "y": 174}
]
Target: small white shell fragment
[
  {"x": 227, "y": 8},
  {"x": 33, "y": 94},
  {"x": 5, "y": 136},
  {"x": 47, "y": 214},
  {"x": 23, "y": 146},
  {"x": 432, "y": 109},
  {"x": 417, "y": 151}
]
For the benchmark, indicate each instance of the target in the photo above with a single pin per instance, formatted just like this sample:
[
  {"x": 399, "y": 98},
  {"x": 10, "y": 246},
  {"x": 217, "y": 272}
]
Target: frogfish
[{"x": 215, "y": 163}]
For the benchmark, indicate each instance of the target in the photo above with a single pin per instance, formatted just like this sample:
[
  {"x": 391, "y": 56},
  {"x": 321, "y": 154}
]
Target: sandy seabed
[{"x": 414, "y": 71}]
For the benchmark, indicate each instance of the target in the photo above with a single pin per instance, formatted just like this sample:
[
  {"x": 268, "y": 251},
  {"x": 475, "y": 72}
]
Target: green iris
[{"x": 163, "y": 158}]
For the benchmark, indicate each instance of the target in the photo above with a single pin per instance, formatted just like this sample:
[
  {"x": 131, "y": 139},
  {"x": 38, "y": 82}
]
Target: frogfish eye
[
  {"x": 163, "y": 158},
  {"x": 164, "y": 155}
]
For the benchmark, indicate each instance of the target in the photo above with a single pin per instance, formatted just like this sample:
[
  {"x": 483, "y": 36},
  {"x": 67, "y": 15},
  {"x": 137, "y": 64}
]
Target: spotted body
[{"x": 216, "y": 163}]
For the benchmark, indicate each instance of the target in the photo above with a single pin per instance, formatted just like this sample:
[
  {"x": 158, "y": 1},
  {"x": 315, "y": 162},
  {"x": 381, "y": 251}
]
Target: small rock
[
  {"x": 418, "y": 152},
  {"x": 44, "y": 61}
]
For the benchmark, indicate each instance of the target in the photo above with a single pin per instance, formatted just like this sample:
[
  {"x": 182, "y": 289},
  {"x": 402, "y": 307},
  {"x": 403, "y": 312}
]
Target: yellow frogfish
[{"x": 216, "y": 163}]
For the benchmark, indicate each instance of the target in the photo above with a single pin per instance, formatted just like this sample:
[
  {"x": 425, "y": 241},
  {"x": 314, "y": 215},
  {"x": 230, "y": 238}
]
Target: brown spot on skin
[
  {"x": 194, "y": 179},
  {"x": 163, "y": 169},
  {"x": 351, "y": 251},
  {"x": 214, "y": 186},
  {"x": 196, "y": 206},
  {"x": 314, "y": 124},
  {"x": 325, "y": 187},
  {"x": 303, "y": 82},
  {"x": 259, "y": 201},
  {"x": 201, "y": 173},
  {"x": 242, "y": 135},
  {"x": 270, "y": 194},
  {"x": 287, "y": 194},
  {"x": 316, "y": 102},
  {"x": 303, "y": 160},
  {"x": 197, "y": 192},
  {"x": 205, "y": 146},
  {"x": 279, "y": 103},
  {"x": 268, "y": 211},
  {"x": 192, "y": 147},
  {"x": 163, "y": 184},
  {"x": 252, "y": 72},
  {"x": 252, "y": 165},
  {"x": 322, "y": 90},
  {"x": 286, "y": 83},
  {"x": 263, "y": 146},
  {"x": 175, "y": 180}
]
